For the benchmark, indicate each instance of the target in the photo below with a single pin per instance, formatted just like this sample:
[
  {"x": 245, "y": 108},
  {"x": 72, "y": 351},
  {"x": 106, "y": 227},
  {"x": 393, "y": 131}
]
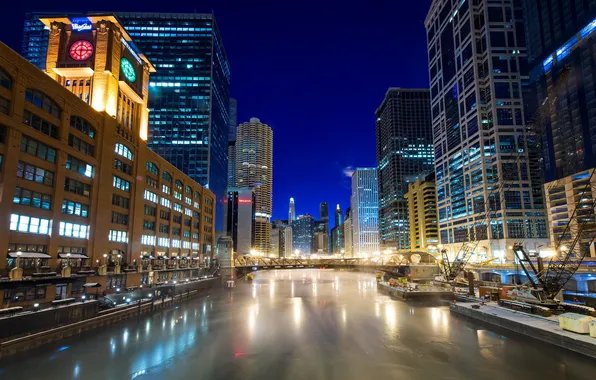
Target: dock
[
  {"x": 425, "y": 292},
  {"x": 545, "y": 329}
]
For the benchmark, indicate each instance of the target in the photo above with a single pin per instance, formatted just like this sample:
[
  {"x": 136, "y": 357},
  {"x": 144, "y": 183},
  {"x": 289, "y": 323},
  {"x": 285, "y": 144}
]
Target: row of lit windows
[{"x": 118, "y": 236}]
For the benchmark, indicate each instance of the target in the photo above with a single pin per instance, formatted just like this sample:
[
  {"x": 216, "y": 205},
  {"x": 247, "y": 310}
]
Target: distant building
[
  {"x": 348, "y": 239},
  {"x": 279, "y": 239},
  {"x": 232, "y": 163},
  {"x": 324, "y": 218},
  {"x": 233, "y": 122},
  {"x": 365, "y": 212},
  {"x": 422, "y": 209},
  {"x": 303, "y": 231},
  {"x": 404, "y": 153},
  {"x": 291, "y": 211},
  {"x": 239, "y": 218},
  {"x": 321, "y": 237},
  {"x": 337, "y": 233},
  {"x": 254, "y": 168}
]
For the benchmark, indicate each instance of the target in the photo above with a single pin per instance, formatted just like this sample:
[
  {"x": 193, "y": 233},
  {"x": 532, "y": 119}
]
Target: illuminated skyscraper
[
  {"x": 254, "y": 168},
  {"x": 337, "y": 233},
  {"x": 365, "y": 212},
  {"x": 404, "y": 153},
  {"x": 291, "y": 211},
  {"x": 303, "y": 230},
  {"x": 477, "y": 55}
]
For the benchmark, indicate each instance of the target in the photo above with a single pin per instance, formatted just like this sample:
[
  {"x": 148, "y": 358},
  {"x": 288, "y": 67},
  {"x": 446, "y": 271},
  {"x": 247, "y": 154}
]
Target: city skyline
[{"x": 297, "y": 29}]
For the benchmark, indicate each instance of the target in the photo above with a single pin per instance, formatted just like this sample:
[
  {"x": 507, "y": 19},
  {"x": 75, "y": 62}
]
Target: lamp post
[
  {"x": 68, "y": 259},
  {"x": 105, "y": 259},
  {"x": 19, "y": 254}
]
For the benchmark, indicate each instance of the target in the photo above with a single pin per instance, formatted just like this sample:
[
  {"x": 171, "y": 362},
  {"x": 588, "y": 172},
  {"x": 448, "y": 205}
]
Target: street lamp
[
  {"x": 68, "y": 259},
  {"x": 19, "y": 254},
  {"x": 105, "y": 259}
]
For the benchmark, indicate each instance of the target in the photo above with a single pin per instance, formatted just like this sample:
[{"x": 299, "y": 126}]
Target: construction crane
[{"x": 534, "y": 133}]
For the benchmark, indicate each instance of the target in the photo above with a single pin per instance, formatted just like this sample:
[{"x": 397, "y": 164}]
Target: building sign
[
  {"x": 81, "y": 24},
  {"x": 240, "y": 200}
]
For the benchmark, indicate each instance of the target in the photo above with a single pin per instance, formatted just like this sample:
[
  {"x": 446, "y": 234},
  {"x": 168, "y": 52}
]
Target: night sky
[{"x": 315, "y": 71}]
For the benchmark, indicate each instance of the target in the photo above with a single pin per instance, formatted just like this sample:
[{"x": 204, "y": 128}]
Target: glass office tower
[
  {"x": 477, "y": 55},
  {"x": 189, "y": 94}
]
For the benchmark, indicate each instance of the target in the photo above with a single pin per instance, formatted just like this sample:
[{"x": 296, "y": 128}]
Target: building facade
[
  {"x": 476, "y": 60},
  {"x": 560, "y": 37},
  {"x": 291, "y": 211},
  {"x": 365, "y": 212},
  {"x": 254, "y": 168},
  {"x": 303, "y": 232},
  {"x": 279, "y": 228},
  {"x": 404, "y": 152},
  {"x": 324, "y": 218},
  {"x": 89, "y": 195},
  {"x": 321, "y": 244},
  {"x": 569, "y": 198},
  {"x": 239, "y": 218},
  {"x": 348, "y": 234},
  {"x": 422, "y": 209},
  {"x": 189, "y": 100}
]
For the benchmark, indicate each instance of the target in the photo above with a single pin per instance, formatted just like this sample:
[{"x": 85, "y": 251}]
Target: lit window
[
  {"x": 177, "y": 195},
  {"x": 123, "y": 151},
  {"x": 177, "y": 207},
  {"x": 186, "y": 244},
  {"x": 166, "y": 203},
  {"x": 118, "y": 236},
  {"x": 187, "y": 212},
  {"x": 121, "y": 184},
  {"x": 78, "y": 231},
  {"x": 165, "y": 189},
  {"x": 27, "y": 224},
  {"x": 175, "y": 243},
  {"x": 147, "y": 240},
  {"x": 149, "y": 196},
  {"x": 195, "y": 246},
  {"x": 188, "y": 200},
  {"x": 163, "y": 242}
]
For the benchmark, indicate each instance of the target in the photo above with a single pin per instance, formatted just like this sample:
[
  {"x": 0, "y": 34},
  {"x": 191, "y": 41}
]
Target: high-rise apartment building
[
  {"x": 422, "y": 209},
  {"x": 303, "y": 231},
  {"x": 365, "y": 212},
  {"x": 189, "y": 92},
  {"x": 254, "y": 168},
  {"x": 239, "y": 218},
  {"x": 560, "y": 36},
  {"x": 291, "y": 211},
  {"x": 477, "y": 57},
  {"x": 404, "y": 153},
  {"x": 348, "y": 234},
  {"x": 86, "y": 191}
]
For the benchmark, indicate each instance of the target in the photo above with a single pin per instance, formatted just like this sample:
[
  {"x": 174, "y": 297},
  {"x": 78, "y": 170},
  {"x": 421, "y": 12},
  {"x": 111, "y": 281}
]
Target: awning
[
  {"x": 72, "y": 256},
  {"x": 92, "y": 285},
  {"x": 30, "y": 255}
]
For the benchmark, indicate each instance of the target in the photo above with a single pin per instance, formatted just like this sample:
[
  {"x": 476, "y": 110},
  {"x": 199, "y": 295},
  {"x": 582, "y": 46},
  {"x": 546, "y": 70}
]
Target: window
[
  {"x": 187, "y": 212},
  {"x": 31, "y": 198},
  {"x": 118, "y": 218},
  {"x": 176, "y": 231},
  {"x": 175, "y": 243},
  {"x": 121, "y": 166},
  {"x": 189, "y": 190},
  {"x": 81, "y": 145},
  {"x": 195, "y": 235},
  {"x": 163, "y": 242},
  {"x": 177, "y": 219},
  {"x": 177, "y": 207},
  {"x": 40, "y": 124},
  {"x": 123, "y": 151},
  {"x": 165, "y": 189},
  {"x": 150, "y": 211},
  {"x": 196, "y": 215},
  {"x": 164, "y": 215},
  {"x": 121, "y": 184},
  {"x": 118, "y": 236},
  {"x": 81, "y": 167},
  {"x": 147, "y": 240},
  {"x": 177, "y": 195},
  {"x": 27, "y": 224},
  {"x": 186, "y": 233},
  {"x": 4, "y": 105},
  {"x": 5, "y": 79},
  {"x": 82, "y": 125},
  {"x": 166, "y": 177},
  {"x": 41, "y": 100},
  {"x": 120, "y": 201},
  {"x": 195, "y": 225},
  {"x": 151, "y": 181},
  {"x": 78, "y": 231},
  {"x": 2, "y": 134},
  {"x": 187, "y": 222},
  {"x": 75, "y": 208},
  {"x": 165, "y": 228},
  {"x": 196, "y": 204},
  {"x": 149, "y": 196},
  {"x": 178, "y": 185},
  {"x": 188, "y": 200},
  {"x": 197, "y": 195},
  {"x": 149, "y": 225},
  {"x": 166, "y": 203},
  {"x": 77, "y": 187},
  {"x": 152, "y": 168},
  {"x": 195, "y": 246},
  {"x": 77, "y": 250},
  {"x": 35, "y": 174}
]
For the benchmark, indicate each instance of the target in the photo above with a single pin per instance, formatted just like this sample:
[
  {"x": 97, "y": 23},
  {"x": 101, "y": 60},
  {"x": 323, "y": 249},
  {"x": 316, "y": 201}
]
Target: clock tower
[{"x": 96, "y": 59}]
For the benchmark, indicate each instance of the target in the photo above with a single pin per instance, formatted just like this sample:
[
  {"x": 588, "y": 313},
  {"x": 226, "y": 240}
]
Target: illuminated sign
[
  {"x": 81, "y": 24},
  {"x": 244, "y": 201},
  {"x": 128, "y": 70}
]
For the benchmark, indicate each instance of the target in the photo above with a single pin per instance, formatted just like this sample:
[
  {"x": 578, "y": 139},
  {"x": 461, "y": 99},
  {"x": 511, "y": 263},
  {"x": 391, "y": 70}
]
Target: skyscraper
[
  {"x": 232, "y": 125},
  {"x": 476, "y": 68},
  {"x": 281, "y": 239},
  {"x": 422, "y": 205},
  {"x": 291, "y": 211},
  {"x": 303, "y": 230},
  {"x": 254, "y": 168},
  {"x": 337, "y": 233},
  {"x": 338, "y": 216},
  {"x": 561, "y": 37},
  {"x": 239, "y": 218},
  {"x": 233, "y": 122},
  {"x": 324, "y": 217},
  {"x": 321, "y": 243},
  {"x": 348, "y": 234},
  {"x": 365, "y": 212},
  {"x": 404, "y": 153}
]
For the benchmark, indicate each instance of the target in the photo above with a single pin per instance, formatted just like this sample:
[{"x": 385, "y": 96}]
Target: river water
[{"x": 300, "y": 324}]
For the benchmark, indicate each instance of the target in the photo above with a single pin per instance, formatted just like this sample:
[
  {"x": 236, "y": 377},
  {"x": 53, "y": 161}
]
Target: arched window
[
  {"x": 152, "y": 168},
  {"x": 5, "y": 79},
  {"x": 41, "y": 100},
  {"x": 167, "y": 177},
  {"x": 189, "y": 190},
  {"x": 179, "y": 184},
  {"x": 123, "y": 151},
  {"x": 82, "y": 125}
]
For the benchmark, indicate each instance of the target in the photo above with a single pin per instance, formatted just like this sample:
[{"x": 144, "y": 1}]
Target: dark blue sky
[{"x": 315, "y": 71}]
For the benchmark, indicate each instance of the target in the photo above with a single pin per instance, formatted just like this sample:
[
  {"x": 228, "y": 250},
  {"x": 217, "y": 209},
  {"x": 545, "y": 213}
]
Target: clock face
[
  {"x": 81, "y": 50},
  {"x": 128, "y": 70}
]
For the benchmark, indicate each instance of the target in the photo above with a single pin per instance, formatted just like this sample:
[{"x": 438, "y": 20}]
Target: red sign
[{"x": 244, "y": 200}]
